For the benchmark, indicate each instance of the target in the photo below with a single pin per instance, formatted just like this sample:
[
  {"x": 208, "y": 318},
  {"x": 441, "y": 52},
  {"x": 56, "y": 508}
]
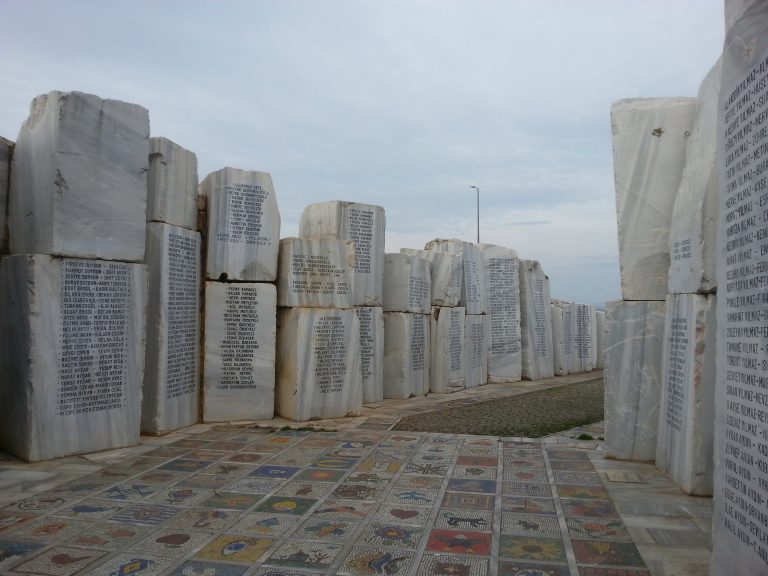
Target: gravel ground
[{"x": 533, "y": 414}]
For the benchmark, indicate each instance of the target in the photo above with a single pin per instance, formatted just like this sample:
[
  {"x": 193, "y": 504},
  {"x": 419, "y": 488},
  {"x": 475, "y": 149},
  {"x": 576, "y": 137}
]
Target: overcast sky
[{"x": 404, "y": 104}]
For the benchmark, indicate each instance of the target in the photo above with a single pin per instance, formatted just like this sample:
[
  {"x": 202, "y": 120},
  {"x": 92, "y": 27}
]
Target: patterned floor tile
[
  {"x": 169, "y": 451},
  {"x": 358, "y": 492},
  {"x": 235, "y": 548},
  {"x": 466, "y": 460},
  {"x": 205, "y": 519},
  {"x": 408, "y": 481},
  {"x": 558, "y": 454},
  {"x": 459, "y": 542},
  {"x": 48, "y": 529},
  {"x": 169, "y": 542},
  {"x": 226, "y": 445},
  {"x": 525, "y": 475},
  {"x": 320, "y": 475},
  {"x": 589, "y": 508},
  {"x": 415, "y": 496},
  {"x": 381, "y": 467},
  {"x": 583, "y": 492},
  {"x": 229, "y": 470},
  {"x": 536, "y": 549},
  {"x": 529, "y": 525},
  {"x": 200, "y": 567},
  {"x": 527, "y": 505},
  {"x": 522, "y": 453},
  {"x": 567, "y": 477},
  {"x": 391, "y": 535},
  {"x": 404, "y": 514},
  {"x": 59, "y": 561},
  {"x": 91, "y": 509},
  {"x": 332, "y": 508},
  {"x": 326, "y": 530},
  {"x": 185, "y": 465},
  {"x": 9, "y": 520},
  {"x": 204, "y": 454},
  {"x": 196, "y": 442},
  {"x": 427, "y": 469},
  {"x": 245, "y": 458},
  {"x": 41, "y": 503},
  {"x": 470, "y": 501},
  {"x": 336, "y": 463},
  {"x": 370, "y": 478},
  {"x": 180, "y": 496},
  {"x": 601, "y": 571},
  {"x": 463, "y": 519},
  {"x": 298, "y": 554},
  {"x": 264, "y": 524},
  {"x": 611, "y": 529},
  {"x": 507, "y": 568},
  {"x": 471, "y": 485},
  {"x": 607, "y": 553},
  {"x": 363, "y": 561},
  {"x": 82, "y": 486},
  {"x": 286, "y": 505},
  {"x": 231, "y": 501},
  {"x": 573, "y": 465},
  {"x": 451, "y": 565},
  {"x": 432, "y": 459},
  {"x": 389, "y": 455},
  {"x": 274, "y": 472},
  {"x": 524, "y": 463},
  {"x": 202, "y": 481},
  {"x": 146, "y": 514},
  {"x": 294, "y": 459},
  {"x": 304, "y": 489},
  {"x": 109, "y": 535},
  {"x": 159, "y": 478},
  {"x": 253, "y": 486},
  {"x": 476, "y": 472},
  {"x": 13, "y": 551},
  {"x": 128, "y": 491},
  {"x": 527, "y": 489}
]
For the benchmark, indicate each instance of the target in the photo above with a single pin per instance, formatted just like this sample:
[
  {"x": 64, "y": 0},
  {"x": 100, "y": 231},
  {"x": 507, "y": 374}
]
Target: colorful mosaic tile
[
  {"x": 525, "y": 475},
  {"x": 529, "y": 525},
  {"x": 463, "y": 519},
  {"x": 432, "y": 459},
  {"x": 472, "y": 485},
  {"x": 527, "y": 489},
  {"x": 466, "y": 460},
  {"x": 235, "y": 548},
  {"x": 253, "y": 486},
  {"x": 109, "y": 535},
  {"x": 135, "y": 465},
  {"x": 602, "y": 571},
  {"x": 199, "y": 567},
  {"x": 524, "y": 463},
  {"x": 226, "y": 445},
  {"x": 168, "y": 451},
  {"x": 304, "y": 489},
  {"x": 407, "y": 481},
  {"x": 455, "y": 542},
  {"x": 404, "y": 514},
  {"x": 598, "y": 529},
  {"x": 523, "y": 453},
  {"x": 202, "y": 481},
  {"x": 59, "y": 561},
  {"x": 567, "y": 477},
  {"x": 298, "y": 460},
  {"x": 607, "y": 553},
  {"x": 337, "y": 463},
  {"x": 231, "y": 501},
  {"x": 12, "y": 551},
  {"x": 189, "y": 443},
  {"x": 128, "y": 491},
  {"x": 245, "y": 458},
  {"x": 181, "y": 496},
  {"x": 205, "y": 519},
  {"x": 333, "y": 508},
  {"x": 286, "y": 505},
  {"x": 557, "y": 454},
  {"x": 358, "y": 492},
  {"x": 298, "y": 554},
  {"x": 145, "y": 514},
  {"x": 464, "y": 500},
  {"x": 14, "y": 519},
  {"x": 40, "y": 504},
  {"x": 363, "y": 561},
  {"x": 81, "y": 487},
  {"x": 427, "y": 469},
  {"x": 326, "y": 530},
  {"x": 265, "y": 524},
  {"x": 228, "y": 470},
  {"x": 476, "y": 472},
  {"x": 371, "y": 478},
  {"x": 185, "y": 465},
  {"x": 48, "y": 529},
  {"x": 583, "y": 492},
  {"x": 274, "y": 472},
  {"x": 160, "y": 477},
  {"x": 414, "y": 496},
  {"x": 573, "y": 465},
  {"x": 320, "y": 475},
  {"x": 391, "y": 535},
  {"x": 590, "y": 508},
  {"x": 214, "y": 434},
  {"x": 528, "y": 548},
  {"x": 383, "y": 468},
  {"x": 169, "y": 542},
  {"x": 513, "y": 568},
  {"x": 381, "y": 455},
  {"x": 451, "y": 565},
  {"x": 526, "y": 505}
]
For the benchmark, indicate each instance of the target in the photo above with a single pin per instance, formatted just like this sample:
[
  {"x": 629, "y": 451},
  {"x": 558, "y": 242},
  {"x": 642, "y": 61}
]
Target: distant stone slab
[
  {"x": 172, "y": 184},
  {"x": 685, "y": 443},
  {"x": 171, "y": 377},
  {"x": 569, "y": 336},
  {"x": 560, "y": 362},
  {"x": 316, "y": 273},
  {"x": 371, "y": 352},
  {"x": 477, "y": 330},
  {"x": 583, "y": 349},
  {"x": 650, "y": 137},
  {"x": 634, "y": 335},
  {"x": 693, "y": 230},
  {"x": 536, "y": 322},
  {"x": 474, "y": 297},
  {"x": 447, "y": 275},
  {"x": 448, "y": 347},
  {"x": 73, "y": 355},
  {"x": 406, "y": 354},
  {"x": 407, "y": 284},
  {"x": 240, "y": 340},
  {"x": 6, "y": 151},
  {"x": 80, "y": 159},
  {"x": 363, "y": 225},
  {"x": 593, "y": 334},
  {"x": 502, "y": 283},
  {"x": 243, "y": 225},
  {"x": 600, "y": 339},
  {"x": 318, "y": 373}
]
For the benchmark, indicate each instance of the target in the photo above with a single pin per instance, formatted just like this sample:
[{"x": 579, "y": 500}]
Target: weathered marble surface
[
  {"x": 363, "y": 225},
  {"x": 559, "y": 361},
  {"x": 172, "y": 184},
  {"x": 600, "y": 339},
  {"x": 736, "y": 9},
  {"x": 407, "y": 284},
  {"x": 406, "y": 354},
  {"x": 593, "y": 335},
  {"x": 240, "y": 340},
  {"x": 80, "y": 159},
  {"x": 634, "y": 333},
  {"x": 693, "y": 230},
  {"x": 502, "y": 282},
  {"x": 583, "y": 347},
  {"x": 535, "y": 322},
  {"x": 477, "y": 331},
  {"x": 243, "y": 225},
  {"x": 649, "y": 145},
  {"x": 569, "y": 335},
  {"x": 685, "y": 442},
  {"x": 6, "y": 151},
  {"x": 73, "y": 355},
  {"x": 171, "y": 377},
  {"x": 447, "y": 273},
  {"x": 316, "y": 273},
  {"x": 318, "y": 364},
  {"x": 371, "y": 352},
  {"x": 448, "y": 348},
  {"x": 474, "y": 295}
]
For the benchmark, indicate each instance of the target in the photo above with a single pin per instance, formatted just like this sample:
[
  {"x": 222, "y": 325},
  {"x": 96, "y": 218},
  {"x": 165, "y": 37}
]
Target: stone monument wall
[
  {"x": 407, "y": 284},
  {"x": 172, "y": 184},
  {"x": 558, "y": 358},
  {"x": 600, "y": 339},
  {"x": 406, "y": 354},
  {"x": 477, "y": 333},
  {"x": 372, "y": 337},
  {"x": 536, "y": 322},
  {"x": 447, "y": 275},
  {"x": 6, "y": 151},
  {"x": 447, "y": 327},
  {"x": 582, "y": 351},
  {"x": 474, "y": 296}
]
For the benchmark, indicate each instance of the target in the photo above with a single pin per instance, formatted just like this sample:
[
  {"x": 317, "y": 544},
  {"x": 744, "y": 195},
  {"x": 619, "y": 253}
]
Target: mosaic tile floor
[{"x": 242, "y": 501}]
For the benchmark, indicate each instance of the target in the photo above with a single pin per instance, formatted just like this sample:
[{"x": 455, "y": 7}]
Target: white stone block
[
  {"x": 239, "y": 373},
  {"x": 371, "y": 352},
  {"x": 79, "y": 178},
  {"x": 685, "y": 442},
  {"x": 736, "y": 9},
  {"x": 560, "y": 362},
  {"x": 316, "y": 273},
  {"x": 172, "y": 184},
  {"x": 649, "y": 144},
  {"x": 72, "y": 357},
  {"x": 171, "y": 378},
  {"x": 6, "y": 151},
  {"x": 474, "y": 295},
  {"x": 318, "y": 369},
  {"x": 406, "y": 354},
  {"x": 634, "y": 333},
  {"x": 693, "y": 230},
  {"x": 447, "y": 273},
  {"x": 477, "y": 331},
  {"x": 448, "y": 348},
  {"x": 407, "y": 284},
  {"x": 243, "y": 225},
  {"x": 536, "y": 322},
  {"x": 583, "y": 338},
  {"x": 502, "y": 282},
  {"x": 363, "y": 224},
  {"x": 593, "y": 334},
  {"x": 600, "y": 339},
  {"x": 569, "y": 336}
]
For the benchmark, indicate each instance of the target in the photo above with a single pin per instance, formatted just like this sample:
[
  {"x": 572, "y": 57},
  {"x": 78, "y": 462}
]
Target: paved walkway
[{"x": 231, "y": 500}]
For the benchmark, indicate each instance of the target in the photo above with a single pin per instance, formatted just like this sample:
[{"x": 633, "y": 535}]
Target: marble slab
[
  {"x": 171, "y": 377},
  {"x": 502, "y": 282},
  {"x": 407, "y": 284},
  {"x": 535, "y": 322},
  {"x": 243, "y": 225},
  {"x": 569, "y": 335},
  {"x": 172, "y": 184},
  {"x": 363, "y": 225},
  {"x": 318, "y": 364},
  {"x": 583, "y": 349},
  {"x": 634, "y": 339},
  {"x": 693, "y": 230},
  {"x": 477, "y": 331},
  {"x": 447, "y": 369},
  {"x": 735, "y": 10},
  {"x": 80, "y": 159},
  {"x": 6, "y": 151},
  {"x": 593, "y": 334},
  {"x": 474, "y": 295},
  {"x": 371, "y": 352},
  {"x": 73, "y": 355},
  {"x": 649, "y": 145},
  {"x": 406, "y": 354},
  {"x": 239, "y": 360},
  {"x": 685, "y": 441},
  {"x": 559, "y": 361},
  {"x": 316, "y": 273},
  {"x": 447, "y": 275},
  {"x": 600, "y": 339}
]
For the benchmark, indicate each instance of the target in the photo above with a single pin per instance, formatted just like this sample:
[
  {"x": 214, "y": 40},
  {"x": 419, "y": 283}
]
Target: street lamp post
[{"x": 478, "y": 212}]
